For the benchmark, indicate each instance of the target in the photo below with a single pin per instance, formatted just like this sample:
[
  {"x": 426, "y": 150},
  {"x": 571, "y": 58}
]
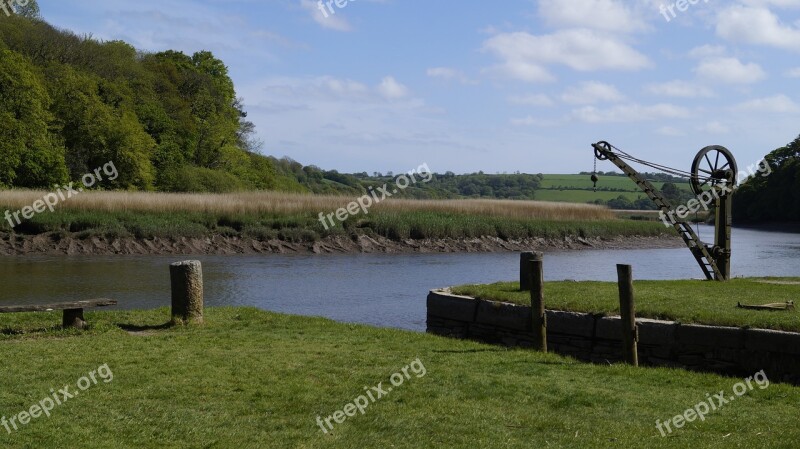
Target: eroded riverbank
[{"x": 59, "y": 244}]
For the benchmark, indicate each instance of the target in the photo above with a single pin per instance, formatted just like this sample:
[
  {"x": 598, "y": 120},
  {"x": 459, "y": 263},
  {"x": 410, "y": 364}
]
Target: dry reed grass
[{"x": 290, "y": 203}]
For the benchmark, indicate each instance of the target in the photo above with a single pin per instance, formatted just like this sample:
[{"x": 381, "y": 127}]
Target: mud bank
[{"x": 58, "y": 244}]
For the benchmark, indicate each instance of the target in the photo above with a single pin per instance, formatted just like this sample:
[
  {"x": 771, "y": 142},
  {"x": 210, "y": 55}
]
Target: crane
[{"x": 709, "y": 181}]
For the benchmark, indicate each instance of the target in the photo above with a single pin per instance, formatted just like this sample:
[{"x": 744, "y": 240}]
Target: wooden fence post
[
  {"x": 537, "y": 306},
  {"x": 525, "y": 268},
  {"x": 627, "y": 312},
  {"x": 187, "y": 291}
]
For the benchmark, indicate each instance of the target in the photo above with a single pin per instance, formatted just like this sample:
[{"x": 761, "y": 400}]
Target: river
[{"x": 385, "y": 290}]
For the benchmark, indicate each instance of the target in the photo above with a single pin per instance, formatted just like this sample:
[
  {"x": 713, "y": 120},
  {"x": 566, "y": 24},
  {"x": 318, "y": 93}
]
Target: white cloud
[
  {"x": 325, "y": 18},
  {"x": 681, "y": 89},
  {"x": 778, "y": 3},
  {"x": 525, "y": 56},
  {"x": 670, "y": 131},
  {"x": 793, "y": 73},
  {"x": 730, "y": 71},
  {"x": 448, "y": 74},
  {"x": 706, "y": 51},
  {"x": 776, "y": 104},
  {"x": 533, "y": 121},
  {"x": 592, "y": 92},
  {"x": 531, "y": 100},
  {"x": 606, "y": 15},
  {"x": 630, "y": 113},
  {"x": 758, "y": 25},
  {"x": 391, "y": 89},
  {"x": 714, "y": 127}
]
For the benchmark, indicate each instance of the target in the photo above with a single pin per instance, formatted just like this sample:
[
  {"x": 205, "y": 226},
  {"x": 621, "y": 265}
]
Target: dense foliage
[
  {"x": 168, "y": 121},
  {"x": 775, "y": 197}
]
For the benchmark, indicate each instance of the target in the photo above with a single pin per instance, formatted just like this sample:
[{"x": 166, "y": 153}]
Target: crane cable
[{"x": 669, "y": 170}]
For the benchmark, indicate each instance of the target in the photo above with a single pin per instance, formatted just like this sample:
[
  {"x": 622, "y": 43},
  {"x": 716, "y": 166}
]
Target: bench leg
[{"x": 74, "y": 318}]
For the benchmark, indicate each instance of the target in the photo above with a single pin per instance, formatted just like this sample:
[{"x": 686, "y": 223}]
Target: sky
[{"x": 493, "y": 86}]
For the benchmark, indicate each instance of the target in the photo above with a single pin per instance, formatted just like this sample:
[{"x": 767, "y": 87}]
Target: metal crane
[{"x": 709, "y": 180}]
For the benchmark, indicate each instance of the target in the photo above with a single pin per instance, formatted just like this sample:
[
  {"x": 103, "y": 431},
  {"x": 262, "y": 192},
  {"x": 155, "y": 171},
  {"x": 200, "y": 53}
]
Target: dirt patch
[{"x": 50, "y": 244}]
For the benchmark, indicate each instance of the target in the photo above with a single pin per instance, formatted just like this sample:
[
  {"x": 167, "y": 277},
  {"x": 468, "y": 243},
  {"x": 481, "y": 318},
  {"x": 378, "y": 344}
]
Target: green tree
[
  {"x": 30, "y": 153},
  {"x": 28, "y": 9},
  {"x": 99, "y": 126}
]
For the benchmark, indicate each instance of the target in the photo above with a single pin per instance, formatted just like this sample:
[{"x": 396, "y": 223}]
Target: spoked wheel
[
  {"x": 601, "y": 149},
  {"x": 713, "y": 166}
]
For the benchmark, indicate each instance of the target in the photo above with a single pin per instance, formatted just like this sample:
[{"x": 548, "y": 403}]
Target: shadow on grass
[
  {"x": 133, "y": 328},
  {"x": 468, "y": 351},
  {"x": 52, "y": 331}
]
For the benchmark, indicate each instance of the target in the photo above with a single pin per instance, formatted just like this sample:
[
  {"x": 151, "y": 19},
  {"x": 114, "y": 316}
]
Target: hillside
[{"x": 168, "y": 121}]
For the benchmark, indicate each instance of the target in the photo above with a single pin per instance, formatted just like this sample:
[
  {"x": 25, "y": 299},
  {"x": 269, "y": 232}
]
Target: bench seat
[{"x": 73, "y": 311}]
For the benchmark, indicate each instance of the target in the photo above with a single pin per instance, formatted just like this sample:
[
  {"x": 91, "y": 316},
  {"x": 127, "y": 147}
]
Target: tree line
[{"x": 775, "y": 197}]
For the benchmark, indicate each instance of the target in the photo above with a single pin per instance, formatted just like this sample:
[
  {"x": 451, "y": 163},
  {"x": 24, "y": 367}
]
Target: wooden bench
[{"x": 73, "y": 311}]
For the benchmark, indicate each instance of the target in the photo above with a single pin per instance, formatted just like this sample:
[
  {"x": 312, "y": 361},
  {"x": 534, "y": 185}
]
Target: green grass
[
  {"x": 576, "y": 188},
  {"x": 584, "y": 196},
  {"x": 305, "y": 227},
  {"x": 252, "y": 379},
  {"x": 686, "y": 301},
  {"x": 584, "y": 182}
]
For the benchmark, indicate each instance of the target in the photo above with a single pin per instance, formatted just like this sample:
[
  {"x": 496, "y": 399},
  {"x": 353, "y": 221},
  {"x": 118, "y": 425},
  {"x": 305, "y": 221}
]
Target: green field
[
  {"x": 253, "y": 379},
  {"x": 685, "y": 301},
  {"x": 579, "y": 188},
  {"x": 584, "y": 196}
]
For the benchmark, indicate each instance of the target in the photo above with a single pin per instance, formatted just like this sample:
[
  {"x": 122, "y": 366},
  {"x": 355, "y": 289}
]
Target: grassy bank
[
  {"x": 686, "y": 301},
  {"x": 294, "y": 217},
  {"x": 253, "y": 379}
]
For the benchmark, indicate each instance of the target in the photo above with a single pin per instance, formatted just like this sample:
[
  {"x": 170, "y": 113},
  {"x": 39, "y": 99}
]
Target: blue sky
[{"x": 500, "y": 86}]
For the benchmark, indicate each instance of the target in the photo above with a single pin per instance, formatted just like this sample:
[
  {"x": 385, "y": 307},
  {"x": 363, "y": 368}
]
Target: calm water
[{"x": 376, "y": 289}]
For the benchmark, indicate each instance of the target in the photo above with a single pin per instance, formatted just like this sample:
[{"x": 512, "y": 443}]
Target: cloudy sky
[{"x": 498, "y": 86}]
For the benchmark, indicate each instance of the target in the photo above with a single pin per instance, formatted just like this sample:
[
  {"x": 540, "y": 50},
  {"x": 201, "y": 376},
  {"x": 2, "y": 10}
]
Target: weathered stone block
[
  {"x": 710, "y": 336},
  {"x": 571, "y": 323},
  {"x": 772, "y": 341},
  {"x": 458, "y": 308},
  {"x": 655, "y": 332},
  {"x": 608, "y": 328},
  {"x": 504, "y": 315}
]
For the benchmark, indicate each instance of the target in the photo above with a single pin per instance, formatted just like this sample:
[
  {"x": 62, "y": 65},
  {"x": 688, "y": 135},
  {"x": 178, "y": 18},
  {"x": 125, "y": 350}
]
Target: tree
[
  {"x": 28, "y": 9},
  {"x": 30, "y": 154}
]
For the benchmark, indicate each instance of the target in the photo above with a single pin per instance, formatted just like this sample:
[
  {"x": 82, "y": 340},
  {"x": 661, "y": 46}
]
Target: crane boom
[{"x": 700, "y": 250}]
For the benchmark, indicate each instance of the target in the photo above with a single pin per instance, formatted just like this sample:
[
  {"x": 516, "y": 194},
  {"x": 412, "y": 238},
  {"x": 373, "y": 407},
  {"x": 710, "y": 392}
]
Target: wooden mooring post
[
  {"x": 539, "y": 317},
  {"x": 525, "y": 268},
  {"x": 627, "y": 312},
  {"x": 186, "y": 279}
]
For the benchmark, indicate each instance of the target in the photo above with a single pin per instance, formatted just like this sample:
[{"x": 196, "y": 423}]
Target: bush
[{"x": 198, "y": 179}]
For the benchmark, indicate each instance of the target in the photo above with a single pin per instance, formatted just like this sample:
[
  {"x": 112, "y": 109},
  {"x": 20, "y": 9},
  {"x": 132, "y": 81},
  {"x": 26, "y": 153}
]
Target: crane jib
[{"x": 717, "y": 178}]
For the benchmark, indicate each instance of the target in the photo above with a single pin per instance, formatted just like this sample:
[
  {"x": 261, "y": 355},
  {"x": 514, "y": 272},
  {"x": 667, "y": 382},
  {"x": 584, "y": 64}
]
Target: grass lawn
[
  {"x": 689, "y": 301},
  {"x": 253, "y": 379}
]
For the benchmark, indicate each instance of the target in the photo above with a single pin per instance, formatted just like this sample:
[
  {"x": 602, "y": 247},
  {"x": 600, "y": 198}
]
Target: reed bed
[{"x": 279, "y": 203}]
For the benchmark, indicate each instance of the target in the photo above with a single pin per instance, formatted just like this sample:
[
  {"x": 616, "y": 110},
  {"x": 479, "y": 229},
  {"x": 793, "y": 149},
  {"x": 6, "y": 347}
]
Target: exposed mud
[{"x": 58, "y": 244}]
